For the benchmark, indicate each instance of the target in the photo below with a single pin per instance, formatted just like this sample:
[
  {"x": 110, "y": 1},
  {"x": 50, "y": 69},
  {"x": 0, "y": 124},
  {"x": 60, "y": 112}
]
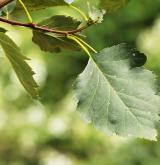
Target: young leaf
[
  {"x": 117, "y": 95},
  {"x": 53, "y": 42},
  {"x": 22, "y": 69}
]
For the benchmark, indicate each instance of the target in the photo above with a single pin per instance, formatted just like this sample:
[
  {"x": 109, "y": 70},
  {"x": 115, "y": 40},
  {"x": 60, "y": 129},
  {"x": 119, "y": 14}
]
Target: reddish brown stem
[
  {"x": 4, "y": 3},
  {"x": 44, "y": 29}
]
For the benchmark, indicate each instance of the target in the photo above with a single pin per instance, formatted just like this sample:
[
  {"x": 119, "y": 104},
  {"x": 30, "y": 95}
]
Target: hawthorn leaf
[
  {"x": 17, "y": 60},
  {"x": 117, "y": 95},
  {"x": 54, "y": 42}
]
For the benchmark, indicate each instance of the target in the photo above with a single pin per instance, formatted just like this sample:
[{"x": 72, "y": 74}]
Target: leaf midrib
[{"x": 97, "y": 66}]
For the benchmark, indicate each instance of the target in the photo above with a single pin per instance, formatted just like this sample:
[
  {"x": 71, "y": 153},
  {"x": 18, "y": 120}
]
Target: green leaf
[
  {"x": 22, "y": 69},
  {"x": 117, "y": 95},
  {"x": 60, "y": 22},
  {"x": 86, "y": 6},
  {"x": 53, "y": 42},
  {"x": 3, "y": 30},
  {"x": 112, "y": 5},
  {"x": 40, "y": 4}
]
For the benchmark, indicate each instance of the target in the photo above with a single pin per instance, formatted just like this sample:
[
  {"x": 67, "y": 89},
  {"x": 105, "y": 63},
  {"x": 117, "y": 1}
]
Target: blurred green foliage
[{"x": 53, "y": 133}]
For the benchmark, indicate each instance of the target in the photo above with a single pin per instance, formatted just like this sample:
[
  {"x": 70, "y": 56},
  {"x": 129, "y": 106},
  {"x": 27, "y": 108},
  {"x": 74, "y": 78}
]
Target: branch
[
  {"x": 4, "y": 3},
  {"x": 34, "y": 26}
]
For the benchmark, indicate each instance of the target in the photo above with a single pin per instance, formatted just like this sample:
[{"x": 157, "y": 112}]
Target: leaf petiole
[
  {"x": 90, "y": 47},
  {"x": 26, "y": 11},
  {"x": 72, "y": 37},
  {"x": 80, "y": 12}
]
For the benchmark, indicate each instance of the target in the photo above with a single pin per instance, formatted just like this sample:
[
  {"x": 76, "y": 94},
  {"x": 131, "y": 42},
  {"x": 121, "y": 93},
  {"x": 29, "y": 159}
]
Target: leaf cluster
[{"x": 114, "y": 92}]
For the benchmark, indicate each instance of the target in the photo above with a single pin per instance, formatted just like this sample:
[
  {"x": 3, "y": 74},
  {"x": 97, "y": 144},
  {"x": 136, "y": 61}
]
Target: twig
[
  {"x": 45, "y": 29},
  {"x": 4, "y": 3}
]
